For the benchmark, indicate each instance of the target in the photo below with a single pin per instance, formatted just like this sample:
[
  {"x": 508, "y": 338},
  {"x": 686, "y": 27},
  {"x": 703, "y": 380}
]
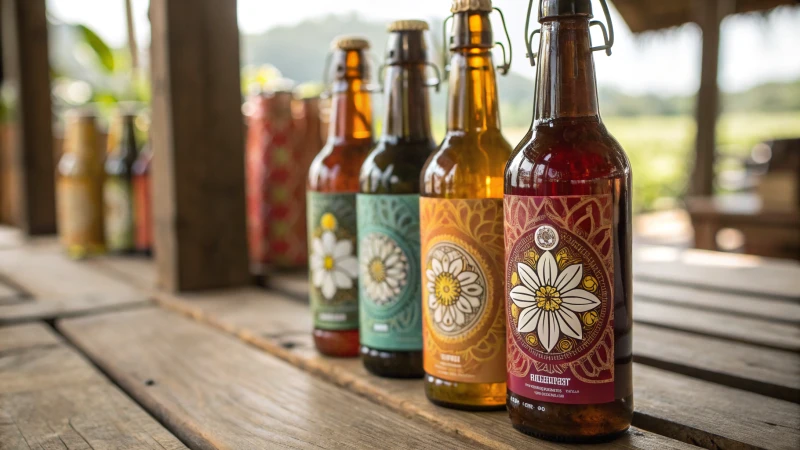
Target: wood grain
[
  {"x": 27, "y": 73},
  {"x": 59, "y": 287},
  {"x": 198, "y": 166},
  {"x": 281, "y": 326},
  {"x": 770, "y": 334},
  {"x": 215, "y": 391},
  {"x": 750, "y": 367},
  {"x": 50, "y": 397},
  {"x": 745, "y": 305},
  {"x": 722, "y": 272}
]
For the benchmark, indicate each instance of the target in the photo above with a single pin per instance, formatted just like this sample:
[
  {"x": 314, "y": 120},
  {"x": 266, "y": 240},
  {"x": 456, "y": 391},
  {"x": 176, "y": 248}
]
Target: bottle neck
[
  {"x": 472, "y": 103},
  {"x": 351, "y": 116},
  {"x": 565, "y": 85},
  {"x": 408, "y": 116},
  {"x": 81, "y": 139}
]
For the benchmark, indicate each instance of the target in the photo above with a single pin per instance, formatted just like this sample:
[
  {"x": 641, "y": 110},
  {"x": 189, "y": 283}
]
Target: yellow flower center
[
  {"x": 377, "y": 270},
  {"x": 327, "y": 263},
  {"x": 447, "y": 289},
  {"x": 548, "y": 298},
  {"x": 328, "y": 222}
]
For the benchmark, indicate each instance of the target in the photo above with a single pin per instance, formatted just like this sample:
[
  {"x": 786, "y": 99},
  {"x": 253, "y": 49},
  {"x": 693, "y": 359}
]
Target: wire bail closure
[
  {"x": 435, "y": 83},
  {"x": 447, "y": 40},
  {"x": 608, "y": 34},
  {"x": 326, "y": 70}
]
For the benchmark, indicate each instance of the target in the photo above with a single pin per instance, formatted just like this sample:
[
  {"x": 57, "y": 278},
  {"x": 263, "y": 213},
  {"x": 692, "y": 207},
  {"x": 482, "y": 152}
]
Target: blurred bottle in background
[
  {"x": 79, "y": 187},
  {"x": 143, "y": 201},
  {"x": 118, "y": 188}
]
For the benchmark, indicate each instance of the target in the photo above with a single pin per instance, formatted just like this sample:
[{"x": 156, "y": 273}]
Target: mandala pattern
[{"x": 455, "y": 288}]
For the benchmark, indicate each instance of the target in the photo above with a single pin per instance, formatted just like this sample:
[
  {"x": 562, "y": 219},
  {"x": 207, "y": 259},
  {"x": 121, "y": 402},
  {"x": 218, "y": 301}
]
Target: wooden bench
[{"x": 717, "y": 363}]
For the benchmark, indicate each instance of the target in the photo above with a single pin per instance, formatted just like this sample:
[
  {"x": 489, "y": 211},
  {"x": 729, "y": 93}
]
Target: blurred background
[{"x": 99, "y": 53}]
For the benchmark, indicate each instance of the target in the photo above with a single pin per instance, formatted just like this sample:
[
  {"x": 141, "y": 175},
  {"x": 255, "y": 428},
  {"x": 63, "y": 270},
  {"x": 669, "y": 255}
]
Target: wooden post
[
  {"x": 198, "y": 146},
  {"x": 709, "y": 15},
  {"x": 27, "y": 71}
]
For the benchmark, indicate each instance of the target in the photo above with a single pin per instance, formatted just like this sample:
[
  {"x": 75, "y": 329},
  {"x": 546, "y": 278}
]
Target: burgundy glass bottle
[{"x": 568, "y": 249}]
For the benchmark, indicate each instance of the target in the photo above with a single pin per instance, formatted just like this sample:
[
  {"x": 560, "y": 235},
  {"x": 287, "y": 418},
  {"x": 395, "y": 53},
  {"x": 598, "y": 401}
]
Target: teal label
[
  {"x": 118, "y": 205},
  {"x": 389, "y": 286},
  {"x": 333, "y": 260}
]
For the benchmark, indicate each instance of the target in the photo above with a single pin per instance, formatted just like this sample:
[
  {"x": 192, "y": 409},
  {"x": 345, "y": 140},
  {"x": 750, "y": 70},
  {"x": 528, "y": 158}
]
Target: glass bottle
[
  {"x": 331, "y": 209},
  {"x": 568, "y": 249},
  {"x": 388, "y": 212},
  {"x": 80, "y": 187},
  {"x": 143, "y": 201},
  {"x": 118, "y": 202},
  {"x": 461, "y": 217}
]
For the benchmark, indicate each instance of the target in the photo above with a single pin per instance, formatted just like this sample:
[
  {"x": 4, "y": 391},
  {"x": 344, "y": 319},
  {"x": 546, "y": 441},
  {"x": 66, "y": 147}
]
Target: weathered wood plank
[
  {"x": 215, "y": 391},
  {"x": 746, "y": 305},
  {"x": 281, "y": 326},
  {"x": 10, "y": 237},
  {"x": 59, "y": 287},
  {"x": 200, "y": 232},
  {"x": 724, "y": 272},
  {"x": 27, "y": 72},
  {"x": 750, "y": 367},
  {"x": 769, "y": 334},
  {"x": 50, "y": 397}
]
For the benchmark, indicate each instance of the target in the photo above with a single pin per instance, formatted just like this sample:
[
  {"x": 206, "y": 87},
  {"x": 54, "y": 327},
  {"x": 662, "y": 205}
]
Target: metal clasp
[
  {"x": 447, "y": 40},
  {"x": 608, "y": 35},
  {"x": 431, "y": 82},
  {"x": 371, "y": 88}
]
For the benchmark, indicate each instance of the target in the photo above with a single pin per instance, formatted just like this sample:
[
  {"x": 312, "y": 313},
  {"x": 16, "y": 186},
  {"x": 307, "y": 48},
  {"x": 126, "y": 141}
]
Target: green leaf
[{"x": 101, "y": 49}]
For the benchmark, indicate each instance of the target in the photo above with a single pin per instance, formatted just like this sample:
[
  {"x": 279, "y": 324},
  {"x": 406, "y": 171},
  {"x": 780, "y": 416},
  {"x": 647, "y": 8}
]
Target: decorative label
[
  {"x": 463, "y": 317},
  {"x": 559, "y": 307},
  {"x": 389, "y": 288},
  {"x": 333, "y": 261},
  {"x": 118, "y": 203},
  {"x": 80, "y": 219}
]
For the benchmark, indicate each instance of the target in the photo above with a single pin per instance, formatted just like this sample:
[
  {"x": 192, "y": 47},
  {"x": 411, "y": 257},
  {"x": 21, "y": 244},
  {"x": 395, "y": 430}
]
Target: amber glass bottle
[
  {"x": 388, "y": 212},
  {"x": 331, "y": 210},
  {"x": 143, "y": 201},
  {"x": 80, "y": 187},
  {"x": 461, "y": 217},
  {"x": 118, "y": 202},
  {"x": 568, "y": 250}
]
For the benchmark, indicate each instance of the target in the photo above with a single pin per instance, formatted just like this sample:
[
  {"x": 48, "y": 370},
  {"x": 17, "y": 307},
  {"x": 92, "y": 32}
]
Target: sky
[{"x": 754, "y": 49}]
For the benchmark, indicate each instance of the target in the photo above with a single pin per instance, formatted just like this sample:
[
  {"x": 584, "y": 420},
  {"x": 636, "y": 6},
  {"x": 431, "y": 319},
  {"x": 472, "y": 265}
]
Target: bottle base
[
  {"x": 465, "y": 396},
  {"x": 337, "y": 343},
  {"x": 392, "y": 364},
  {"x": 571, "y": 439}
]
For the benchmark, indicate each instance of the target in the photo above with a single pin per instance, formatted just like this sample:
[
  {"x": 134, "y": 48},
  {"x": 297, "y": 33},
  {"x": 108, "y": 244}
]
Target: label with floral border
[
  {"x": 463, "y": 320},
  {"x": 559, "y": 307},
  {"x": 333, "y": 260},
  {"x": 389, "y": 288}
]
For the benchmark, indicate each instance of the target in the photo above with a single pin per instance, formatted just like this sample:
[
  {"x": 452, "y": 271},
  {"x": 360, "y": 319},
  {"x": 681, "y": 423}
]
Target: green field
[{"x": 660, "y": 148}]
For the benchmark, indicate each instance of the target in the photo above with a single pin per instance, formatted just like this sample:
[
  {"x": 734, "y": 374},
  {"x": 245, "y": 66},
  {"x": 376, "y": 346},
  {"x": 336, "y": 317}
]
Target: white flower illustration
[
  {"x": 548, "y": 300},
  {"x": 384, "y": 268},
  {"x": 333, "y": 265},
  {"x": 453, "y": 291}
]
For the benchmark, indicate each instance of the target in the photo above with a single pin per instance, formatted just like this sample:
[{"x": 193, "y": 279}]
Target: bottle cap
[
  {"x": 562, "y": 8},
  {"x": 471, "y": 5},
  {"x": 350, "y": 43},
  {"x": 408, "y": 25}
]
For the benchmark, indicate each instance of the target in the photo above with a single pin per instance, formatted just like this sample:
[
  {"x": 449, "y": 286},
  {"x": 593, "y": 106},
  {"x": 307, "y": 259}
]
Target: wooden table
[{"x": 93, "y": 356}]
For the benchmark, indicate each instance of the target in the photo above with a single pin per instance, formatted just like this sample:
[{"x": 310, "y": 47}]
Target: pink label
[{"x": 559, "y": 298}]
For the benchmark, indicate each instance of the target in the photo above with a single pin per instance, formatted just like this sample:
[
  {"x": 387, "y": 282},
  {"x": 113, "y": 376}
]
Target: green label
[
  {"x": 389, "y": 287},
  {"x": 333, "y": 260},
  {"x": 118, "y": 204}
]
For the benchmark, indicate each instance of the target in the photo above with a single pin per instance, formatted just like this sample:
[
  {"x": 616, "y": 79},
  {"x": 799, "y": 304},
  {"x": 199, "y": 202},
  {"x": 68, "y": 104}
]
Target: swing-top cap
[
  {"x": 471, "y": 5},
  {"x": 408, "y": 25},
  {"x": 350, "y": 43}
]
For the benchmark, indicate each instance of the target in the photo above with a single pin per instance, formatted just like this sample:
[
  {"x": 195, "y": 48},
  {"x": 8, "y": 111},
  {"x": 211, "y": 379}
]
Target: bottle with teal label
[
  {"x": 331, "y": 209},
  {"x": 388, "y": 212}
]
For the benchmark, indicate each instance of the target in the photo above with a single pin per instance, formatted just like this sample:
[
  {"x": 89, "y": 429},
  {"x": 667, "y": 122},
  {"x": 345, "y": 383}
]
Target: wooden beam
[
  {"x": 709, "y": 15},
  {"x": 198, "y": 166},
  {"x": 27, "y": 70}
]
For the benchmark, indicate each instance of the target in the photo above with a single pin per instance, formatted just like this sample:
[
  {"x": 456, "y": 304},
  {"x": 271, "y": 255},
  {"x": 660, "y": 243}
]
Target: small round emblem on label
[{"x": 546, "y": 237}]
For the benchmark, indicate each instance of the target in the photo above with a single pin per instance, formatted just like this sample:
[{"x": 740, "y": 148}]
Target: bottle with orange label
[
  {"x": 79, "y": 187},
  {"x": 333, "y": 181},
  {"x": 461, "y": 223},
  {"x": 568, "y": 247}
]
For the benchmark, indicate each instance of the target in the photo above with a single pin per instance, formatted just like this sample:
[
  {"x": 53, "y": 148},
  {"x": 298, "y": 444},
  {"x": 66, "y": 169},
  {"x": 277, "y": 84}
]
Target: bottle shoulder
[
  {"x": 567, "y": 152},
  {"x": 394, "y": 167},
  {"x": 336, "y": 167}
]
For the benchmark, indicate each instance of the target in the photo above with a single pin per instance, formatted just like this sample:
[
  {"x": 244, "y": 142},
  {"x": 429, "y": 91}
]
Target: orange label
[{"x": 463, "y": 318}]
